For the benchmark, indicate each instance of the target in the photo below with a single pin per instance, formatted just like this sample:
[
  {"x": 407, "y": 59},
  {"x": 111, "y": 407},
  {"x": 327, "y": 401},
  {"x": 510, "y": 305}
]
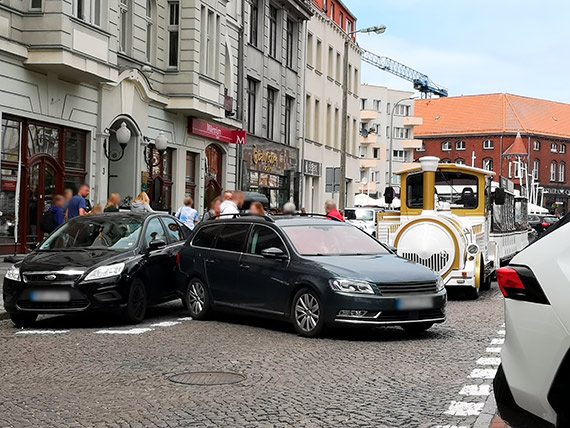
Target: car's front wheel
[
  {"x": 136, "y": 303},
  {"x": 307, "y": 313},
  {"x": 197, "y": 300},
  {"x": 417, "y": 327},
  {"x": 23, "y": 319}
]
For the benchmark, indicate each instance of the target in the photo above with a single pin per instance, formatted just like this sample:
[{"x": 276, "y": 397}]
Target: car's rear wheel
[
  {"x": 136, "y": 304},
  {"x": 197, "y": 300},
  {"x": 417, "y": 327},
  {"x": 307, "y": 314},
  {"x": 23, "y": 319}
]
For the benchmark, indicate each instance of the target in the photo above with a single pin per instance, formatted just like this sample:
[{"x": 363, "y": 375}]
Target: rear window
[
  {"x": 359, "y": 214},
  {"x": 206, "y": 235},
  {"x": 232, "y": 237}
]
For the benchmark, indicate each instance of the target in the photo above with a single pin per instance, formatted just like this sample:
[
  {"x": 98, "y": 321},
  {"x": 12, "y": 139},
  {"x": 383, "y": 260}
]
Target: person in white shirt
[
  {"x": 233, "y": 205},
  {"x": 188, "y": 215}
]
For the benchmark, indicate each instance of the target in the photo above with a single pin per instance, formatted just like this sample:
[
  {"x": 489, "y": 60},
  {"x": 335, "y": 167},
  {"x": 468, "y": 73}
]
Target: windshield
[
  {"x": 100, "y": 233},
  {"x": 333, "y": 240},
  {"x": 458, "y": 189},
  {"x": 359, "y": 214}
]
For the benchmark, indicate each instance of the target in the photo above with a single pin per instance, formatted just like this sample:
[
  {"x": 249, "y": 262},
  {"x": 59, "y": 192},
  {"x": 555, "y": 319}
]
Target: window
[
  {"x": 510, "y": 169},
  {"x": 375, "y": 152},
  {"x": 562, "y": 172},
  {"x": 232, "y": 237},
  {"x": 206, "y": 236},
  {"x": 388, "y": 108},
  {"x": 460, "y": 145},
  {"x": 149, "y": 29},
  {"x": 332, "y": 10},
  {"x": 154, "y": 230},
  {"x": 124, "y": 26},
  {"x": 173, "y": 229},
  {"x": 341, "y": 20},
  {"x": 209, "y": 43},
  {"x": 325, "y": 8},
  {"x": 377, "y": 104},
  {"x": 458, "y": 189},
  {"x": 173, "y": 29},
  {"x": 289, "y": 109},
  {"x": 488, "y": 164},
  {"x": 562, "y": 148},
  {"x": 446, "y": 146},
  {"x": 263, "y": 238},
  {"x": 536, "y": 169},
  {"x": 459, "y": 161},
  {"x": 310, "y": 49},
  {"x": 253, "y": 22},
  {"x": 319, "y": 60},
  {"x": 387, "y": 131},
  {"x": 330, "y": 67},
  {"x": 271, "y": 99},
  {"x": 36, "y": 4},
  {"x": 446, "y": 160},
  {"x": 399, "y": 155},
  {"x": 356, "y": 81},
  {"x": 402, "y": 110},
  {"x": 272, "y": 31},
  {"x": 338, "y": 67},
  {"x": 190, "y": 181},
  {"x": 554, "y": 148},
  {"x": 86, "y": 10},
  {"x": 536, "y": 146},
  {"x": 401, "y": 133},
  {"x": 488, "y": 145},
  {"x": 422, "y": 148},
  {"x": 79, "y": 8},
  {"x": 317, "y": 124},
  {"x": 362, "y": 151},
  {"x": 348, "y": 26},
  {"x": 377, "y": 129},
  {"x": 363, "y": 102},
  {"x": 290, "y": 43},
  {"x": 251, "y": 104},
  {"x": 553, "y": 168}
]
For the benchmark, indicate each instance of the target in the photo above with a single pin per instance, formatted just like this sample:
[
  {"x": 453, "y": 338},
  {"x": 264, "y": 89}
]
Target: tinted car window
[
  {"x": 205, "y": 236},
  {"x": 154, "y": 230},
  {"x": 232, "y": 237},
  {"x": 174, "y": 229},
  {"x": 262, "y": 238}
]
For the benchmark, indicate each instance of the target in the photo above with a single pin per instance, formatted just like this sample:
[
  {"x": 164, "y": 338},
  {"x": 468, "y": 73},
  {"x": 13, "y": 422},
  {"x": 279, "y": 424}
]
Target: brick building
[{"x": 495, "y": 132}]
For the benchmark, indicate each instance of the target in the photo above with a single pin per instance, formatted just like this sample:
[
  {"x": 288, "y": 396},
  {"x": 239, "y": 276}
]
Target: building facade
[
  {"x": 273, "y": 86},
  {"x": 377, "y": 104},
  {"x": 72, "y": 73},
  {"x": 326, "y": 36},
  {"x": 501, "y": 132}
]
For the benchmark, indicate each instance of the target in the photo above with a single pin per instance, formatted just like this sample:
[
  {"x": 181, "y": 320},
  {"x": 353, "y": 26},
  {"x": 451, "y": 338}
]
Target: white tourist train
[{"x": 457, "y": 221}]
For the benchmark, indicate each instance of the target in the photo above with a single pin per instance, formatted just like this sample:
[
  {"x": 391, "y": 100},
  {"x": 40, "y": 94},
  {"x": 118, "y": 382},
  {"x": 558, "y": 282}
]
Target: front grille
[
  {"x": 427, "y": 314},
  {"x": 399, "y": 289},
  {"x": 72, "y": 304},
  {"x": 437, "y": 262},
  {"x": 50, "y": 278}
]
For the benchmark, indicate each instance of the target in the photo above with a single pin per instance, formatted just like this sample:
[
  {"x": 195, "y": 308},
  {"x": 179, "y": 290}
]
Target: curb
[
  {"x": 489, "y": 411},
  {"x": 4, "y": 315}
]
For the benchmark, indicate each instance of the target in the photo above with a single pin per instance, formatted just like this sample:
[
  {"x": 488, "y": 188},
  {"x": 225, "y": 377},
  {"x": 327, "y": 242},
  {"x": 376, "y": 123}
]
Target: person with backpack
[
  {"x": 187, "y": 214},
  {"x": 53, "y": 217}
]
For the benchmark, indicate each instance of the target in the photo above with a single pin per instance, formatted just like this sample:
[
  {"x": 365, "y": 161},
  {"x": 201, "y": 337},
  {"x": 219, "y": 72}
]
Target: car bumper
[
  {"x": 347, "y": 309},
  {"x": 107, "y": 294}
]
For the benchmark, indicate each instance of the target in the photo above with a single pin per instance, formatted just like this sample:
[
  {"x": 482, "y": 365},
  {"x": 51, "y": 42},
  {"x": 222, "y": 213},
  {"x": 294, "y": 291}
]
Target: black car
[
  {"x": 118, "y": 261},
  {"x": 315, "y": 272},
  {"x": 541, "y": 223}
]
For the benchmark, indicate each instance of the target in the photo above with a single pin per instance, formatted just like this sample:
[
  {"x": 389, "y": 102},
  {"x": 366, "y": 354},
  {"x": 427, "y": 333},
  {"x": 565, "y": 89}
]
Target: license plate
[
  {"x": 415, "y": 303},
  {"x": 50, "y": 296}
]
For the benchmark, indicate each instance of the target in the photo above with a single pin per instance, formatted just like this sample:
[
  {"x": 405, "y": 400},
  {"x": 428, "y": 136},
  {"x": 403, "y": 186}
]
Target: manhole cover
[{"x": 207, "y": 378}]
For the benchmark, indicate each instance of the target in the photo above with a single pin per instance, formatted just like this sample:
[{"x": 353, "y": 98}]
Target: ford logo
[{"x": 50, "y": 277}]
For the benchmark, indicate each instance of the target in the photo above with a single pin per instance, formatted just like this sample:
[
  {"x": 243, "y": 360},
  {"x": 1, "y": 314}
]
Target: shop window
[
  {"x": 74, "y": 150},
  {"x": 11, "y": 131},
  {"x": 190, "y": 181},
  {"x": 446, "y": 146},
  {"x": 488, "y": 145}
]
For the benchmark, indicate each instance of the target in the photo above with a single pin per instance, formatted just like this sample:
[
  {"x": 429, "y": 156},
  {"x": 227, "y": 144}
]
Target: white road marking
[
  {"x": 450, "y": 426},
  {"x": 483, "y": 374},
  {"x": 460, "y": 408},
  {"x": 501, "y": 332},
  {"x": 130, "y": 331},
  {"x": 185, "y": 319},
  {"x": 42, "y": 332},
  {"x": 488, "y": 361},
  {"x": 497, "y": 341},
  {"x": 493, "y": 350},
  {"x": 476, "y": 390},
  {"x": 165, "y": 324}
]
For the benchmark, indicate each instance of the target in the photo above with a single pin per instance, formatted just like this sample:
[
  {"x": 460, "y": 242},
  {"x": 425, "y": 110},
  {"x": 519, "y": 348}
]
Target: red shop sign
[
  {"x": 216, "y": 132},
  {"x": 9, "y": 186}
]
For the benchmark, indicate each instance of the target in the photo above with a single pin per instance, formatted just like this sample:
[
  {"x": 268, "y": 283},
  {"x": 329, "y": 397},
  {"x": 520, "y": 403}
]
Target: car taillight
[
  {"x": 519, "y": 283},
  {"x": 545, "y": 224}
]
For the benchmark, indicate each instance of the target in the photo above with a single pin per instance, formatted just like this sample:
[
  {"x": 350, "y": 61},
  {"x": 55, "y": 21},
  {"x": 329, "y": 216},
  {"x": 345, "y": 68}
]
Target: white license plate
[
  {"x": 50, "y": 296},
  {"x": 415, "y": 303}
]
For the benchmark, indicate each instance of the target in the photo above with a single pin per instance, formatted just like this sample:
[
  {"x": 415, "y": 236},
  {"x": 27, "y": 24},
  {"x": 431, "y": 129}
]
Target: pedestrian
[
  {"x": 289, "y": 208},
  {"x": 214, "y": 210},
  {"x": 54, "y": 217},
  {"x": 331, "y": 210},
  {"x": 227, "y": 195},
  {"x": 67, "y": 195},
  {"x": 113, "y": 203},
  {"x": 256, "y": 208},
  {"x": 187, "y": 214},
  {"x": 233, "y": 205},
  {"x": 141, "y": 204},
  {"x": 77, "y": 206},
  {"x": 97, "y": 209}
]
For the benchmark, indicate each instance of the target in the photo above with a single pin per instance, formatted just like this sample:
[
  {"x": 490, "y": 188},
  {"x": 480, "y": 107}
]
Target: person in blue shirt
[
  {"x": 58, "y": 204},
  {"x": 77, "y": 206}
]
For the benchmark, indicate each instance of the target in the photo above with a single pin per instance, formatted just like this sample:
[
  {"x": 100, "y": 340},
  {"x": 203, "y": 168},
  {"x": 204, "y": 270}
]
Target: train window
[
  {"x": 458, "y": 189},
  {"x": 414, "y": 191}
]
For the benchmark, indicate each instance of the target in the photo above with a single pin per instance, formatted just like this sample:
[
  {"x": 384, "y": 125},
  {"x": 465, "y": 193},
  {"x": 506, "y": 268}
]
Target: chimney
[{"x": 429, "y": 167}]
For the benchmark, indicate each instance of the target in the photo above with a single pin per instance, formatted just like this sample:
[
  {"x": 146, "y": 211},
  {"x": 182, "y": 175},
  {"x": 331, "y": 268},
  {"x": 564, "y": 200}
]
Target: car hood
[
  {"x": 63, "y": 260},
  {"x": 385, "y": 268}
]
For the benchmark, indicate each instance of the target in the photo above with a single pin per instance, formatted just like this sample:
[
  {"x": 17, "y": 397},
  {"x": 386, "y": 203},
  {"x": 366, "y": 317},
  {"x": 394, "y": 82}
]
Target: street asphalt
[{"x": 92, "y": 371}]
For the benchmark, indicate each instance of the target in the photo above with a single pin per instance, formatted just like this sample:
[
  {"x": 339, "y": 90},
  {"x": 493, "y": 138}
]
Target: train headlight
[{"x": 473, "y": 249}]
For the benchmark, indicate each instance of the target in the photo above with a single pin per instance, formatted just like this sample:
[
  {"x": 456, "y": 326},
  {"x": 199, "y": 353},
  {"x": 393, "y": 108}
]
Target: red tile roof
[
  {"x": 492, "y": 114},
  {"x": 518, "y": 147}
]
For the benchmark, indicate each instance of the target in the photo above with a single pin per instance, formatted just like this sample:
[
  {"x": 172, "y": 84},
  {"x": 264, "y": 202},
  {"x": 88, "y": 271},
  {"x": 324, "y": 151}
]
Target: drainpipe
[
  {"x": 429, "y": 167},
  {"x": 240, "y": 95},
  {"x": 302, "y": 117}
]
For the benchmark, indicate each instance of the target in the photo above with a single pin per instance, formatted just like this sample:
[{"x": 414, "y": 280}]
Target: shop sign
[
  {"x": 557, "y": 191},
  {"x": 216, "y": 132},
  {"x": 9, "y": 185},
  {"x": 270, "y": 158},
  {"x": 312, "y": 168}
]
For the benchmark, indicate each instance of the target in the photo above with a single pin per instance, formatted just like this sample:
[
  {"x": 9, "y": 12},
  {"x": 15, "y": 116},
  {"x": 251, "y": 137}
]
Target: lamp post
[
  {"x": 391, "y": 153},
  {"x": 378, "y": 29}
]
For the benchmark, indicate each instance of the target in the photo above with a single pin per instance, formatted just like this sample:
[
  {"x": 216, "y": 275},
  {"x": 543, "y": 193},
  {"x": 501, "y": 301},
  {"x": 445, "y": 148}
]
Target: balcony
[
  {"x": 411, "y": 144},
  {"x": 413, "y": 121},
  {"x": 368, "y": 115},
  {"x": 370, "y": 139},
  {"x": 371, "y": 187},
  {"x": 368, "y": 163}
]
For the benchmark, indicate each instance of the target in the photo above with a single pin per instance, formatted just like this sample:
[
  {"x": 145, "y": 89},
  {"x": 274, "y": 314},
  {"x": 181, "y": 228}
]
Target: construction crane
[{"x": 422, "y": 83}]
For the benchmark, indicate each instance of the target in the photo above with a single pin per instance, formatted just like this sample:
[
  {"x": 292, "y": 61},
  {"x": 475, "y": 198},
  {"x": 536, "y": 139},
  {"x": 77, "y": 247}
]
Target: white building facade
[{"x": 377, "y": 103}]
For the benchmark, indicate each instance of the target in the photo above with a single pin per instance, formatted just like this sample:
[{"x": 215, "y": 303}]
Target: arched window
[
  {"x": 562, "y": 172},
  {"x": 536, "y": 169},
  {"x": 150, "y": 18},
  {"x": 554, "y": 148},
  {"x": 536, "y": 146},
  {"x": 446, "y": 161},
  {"x": 562, "y": 148},
  {"x": 488, "y": 145},
  {"x": 488, "y": 164},
  {"x": 460, "y": 145},
  {"x": 460, "y": 161},
  {"x": 446, "y": 146},
  {"x": 553, "y": 171}
]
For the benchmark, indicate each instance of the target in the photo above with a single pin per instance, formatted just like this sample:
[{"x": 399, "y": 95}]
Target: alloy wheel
[
  {"x": 307, "y": 312},
  {"x": 139, "y": 301},
  {"x": 196, "y": 297}
]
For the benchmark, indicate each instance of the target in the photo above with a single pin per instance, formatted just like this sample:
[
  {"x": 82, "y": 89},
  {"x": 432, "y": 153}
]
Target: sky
[{"x": 472, "y": 46}]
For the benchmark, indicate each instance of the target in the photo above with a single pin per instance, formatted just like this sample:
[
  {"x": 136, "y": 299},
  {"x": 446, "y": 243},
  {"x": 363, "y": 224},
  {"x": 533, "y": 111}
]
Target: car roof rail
[
  {"x": 244, "y": 214},
  {"x": 299, "y": 214}
]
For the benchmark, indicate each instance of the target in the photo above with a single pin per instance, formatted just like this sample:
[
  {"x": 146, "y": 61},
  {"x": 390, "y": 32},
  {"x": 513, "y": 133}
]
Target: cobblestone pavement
[{"x": 80, "y": 371}]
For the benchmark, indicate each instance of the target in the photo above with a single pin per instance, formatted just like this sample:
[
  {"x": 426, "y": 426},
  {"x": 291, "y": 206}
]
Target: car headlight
[
  {"x": 473, "y": 249},
  {"x": 351, "y": 286},
  {"x": 440, "y": 286},
  {"x": 13, "y": 273},
  {"x": 105, "y": 271}
]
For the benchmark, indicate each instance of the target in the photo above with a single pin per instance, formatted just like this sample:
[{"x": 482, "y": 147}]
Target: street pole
[
  {"x": 344, "y": 130},
  {"x": 391, "y": 150}
]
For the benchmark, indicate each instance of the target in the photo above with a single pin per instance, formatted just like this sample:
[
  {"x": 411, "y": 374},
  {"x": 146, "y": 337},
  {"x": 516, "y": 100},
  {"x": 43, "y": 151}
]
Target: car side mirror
[
  {"x": 155, "y": 244},
  {"x": 499, "y": 198},
  {"x": 273, "y": 253}
]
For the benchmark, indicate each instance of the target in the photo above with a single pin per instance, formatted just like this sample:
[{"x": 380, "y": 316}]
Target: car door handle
[
  {"x": 210, "y": 261},
  {"x": 244, "y": 266}
]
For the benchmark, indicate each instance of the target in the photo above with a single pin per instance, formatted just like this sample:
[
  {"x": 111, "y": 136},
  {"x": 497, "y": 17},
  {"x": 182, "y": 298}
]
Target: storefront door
[
  {"x": 44, "y": 182},
  {"x": 213, "y": 185}
]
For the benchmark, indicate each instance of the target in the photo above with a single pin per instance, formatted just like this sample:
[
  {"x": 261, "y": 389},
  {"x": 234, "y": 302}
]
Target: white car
[
  {"x": 364, "y": 218},
  {"x": 532, "y": 386}
]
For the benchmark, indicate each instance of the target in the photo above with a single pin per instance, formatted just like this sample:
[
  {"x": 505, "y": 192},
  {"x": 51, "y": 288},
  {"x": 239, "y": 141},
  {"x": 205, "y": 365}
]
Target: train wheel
[{"x": 485, "y": 280}]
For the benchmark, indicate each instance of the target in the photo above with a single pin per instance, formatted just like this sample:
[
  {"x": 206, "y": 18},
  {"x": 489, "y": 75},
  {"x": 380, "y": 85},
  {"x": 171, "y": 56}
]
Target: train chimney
[{"x": 429, "y": 167}]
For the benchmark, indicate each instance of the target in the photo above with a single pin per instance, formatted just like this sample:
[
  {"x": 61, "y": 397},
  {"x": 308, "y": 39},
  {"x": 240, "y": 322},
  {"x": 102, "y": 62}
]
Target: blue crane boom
[{"x": 422, "y": 82}]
